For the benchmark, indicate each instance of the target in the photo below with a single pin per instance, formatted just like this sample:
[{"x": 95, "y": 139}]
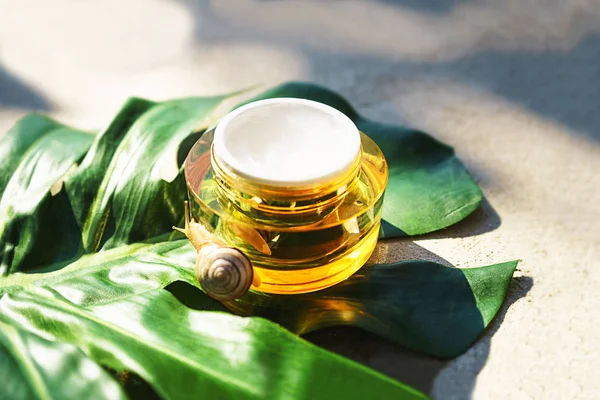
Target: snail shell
[{"x": 224, "y": 273}]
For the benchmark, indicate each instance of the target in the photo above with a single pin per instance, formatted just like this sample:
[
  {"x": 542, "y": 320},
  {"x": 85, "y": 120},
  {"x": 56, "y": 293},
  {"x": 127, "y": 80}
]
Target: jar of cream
[{"x": 294, "y": 186}]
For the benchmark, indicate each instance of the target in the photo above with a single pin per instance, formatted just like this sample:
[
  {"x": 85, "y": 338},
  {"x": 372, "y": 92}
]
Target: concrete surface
[{"x": 513, "y": 85}]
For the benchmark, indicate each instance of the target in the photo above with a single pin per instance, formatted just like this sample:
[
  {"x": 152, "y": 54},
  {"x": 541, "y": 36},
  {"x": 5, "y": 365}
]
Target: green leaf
[
  {"x": 125, "y": 193},
  {"x": 108, "y": 305},
  {"x": 428, "y": 188},
  {"x": 99, "y": 242},
  {"x": 422, "y": 305},
  {"x": 35, "y": 368},
  {"x": 39, "y": 152}
]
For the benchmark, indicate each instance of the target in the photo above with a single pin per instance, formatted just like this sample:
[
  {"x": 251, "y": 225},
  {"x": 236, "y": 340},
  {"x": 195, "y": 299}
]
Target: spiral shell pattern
[{"x": 225, "y": 273}]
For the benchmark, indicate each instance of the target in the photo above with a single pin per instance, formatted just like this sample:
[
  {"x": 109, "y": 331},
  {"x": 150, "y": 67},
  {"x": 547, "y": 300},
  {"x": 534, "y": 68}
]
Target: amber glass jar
[{"x": 295, "y": 186}]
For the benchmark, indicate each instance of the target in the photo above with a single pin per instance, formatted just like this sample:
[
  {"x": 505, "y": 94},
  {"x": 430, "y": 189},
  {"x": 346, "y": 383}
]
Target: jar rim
[{"x": 233, "y": 145}]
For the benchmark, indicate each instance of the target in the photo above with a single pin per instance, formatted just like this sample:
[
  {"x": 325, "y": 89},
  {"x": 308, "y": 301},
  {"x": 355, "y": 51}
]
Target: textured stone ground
[{"x": 513, "y": 85}]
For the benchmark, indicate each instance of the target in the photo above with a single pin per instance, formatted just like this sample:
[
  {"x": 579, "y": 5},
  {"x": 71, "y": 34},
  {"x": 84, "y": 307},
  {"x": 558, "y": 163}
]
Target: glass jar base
[{"x": 317, "y": 278}]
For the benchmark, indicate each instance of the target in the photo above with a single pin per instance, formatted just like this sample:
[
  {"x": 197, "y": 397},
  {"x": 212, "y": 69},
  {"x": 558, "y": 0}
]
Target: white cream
[{"x": 287, "y": 142}]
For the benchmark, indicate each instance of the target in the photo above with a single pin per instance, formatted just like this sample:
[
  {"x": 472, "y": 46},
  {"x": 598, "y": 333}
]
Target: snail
[{"x": 224, "y": 272}]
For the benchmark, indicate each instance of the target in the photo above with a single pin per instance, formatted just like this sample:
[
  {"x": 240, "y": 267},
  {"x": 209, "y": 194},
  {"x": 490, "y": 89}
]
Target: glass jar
[{"x": 295, "y": 186}]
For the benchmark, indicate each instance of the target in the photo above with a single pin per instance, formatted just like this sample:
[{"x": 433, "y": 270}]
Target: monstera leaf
[
  {"x": 87, "y": 251},
  {"x": 28, "y": 369},
  {"x": 110, "y": 306},
  {"x": 422, "y": 305}
]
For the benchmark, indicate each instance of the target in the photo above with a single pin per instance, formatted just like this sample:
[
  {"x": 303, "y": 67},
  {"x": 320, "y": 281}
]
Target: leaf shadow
[
  {"x": 403, "y": 249},
  {"x": 425, "y": 6},
  {"x": 134, "y": 386},
  {"x": 192, "y": 297},
  {"x": 15, "y": 93},
  {"x": 554, "y": 85},
  {"x": 414, "y": 369},
  {"x": 464, "y": 377}
]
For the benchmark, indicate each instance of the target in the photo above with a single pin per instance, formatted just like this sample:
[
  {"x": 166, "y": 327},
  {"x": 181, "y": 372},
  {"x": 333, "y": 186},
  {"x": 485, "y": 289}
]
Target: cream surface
[{"x": 287, "y": 142}]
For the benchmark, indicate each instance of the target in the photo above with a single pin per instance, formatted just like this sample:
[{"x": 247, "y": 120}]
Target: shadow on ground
[
  {"x": 426, "y": 6},
  {"x": 484, "y": 219},
  {"x": 551, "y": 84},
  {"x": 15, "y": 93},
  {"x": 414, "y": 369},
  {"x": 551, "y": 81}
]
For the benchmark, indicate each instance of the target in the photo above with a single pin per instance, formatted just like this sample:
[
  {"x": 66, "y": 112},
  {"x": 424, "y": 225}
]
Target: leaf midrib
[{"x": 80, "y": 266}]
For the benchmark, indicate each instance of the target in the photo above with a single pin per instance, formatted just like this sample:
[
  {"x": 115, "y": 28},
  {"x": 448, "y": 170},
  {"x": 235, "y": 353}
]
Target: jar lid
[{"x": 287, "y": 143}]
